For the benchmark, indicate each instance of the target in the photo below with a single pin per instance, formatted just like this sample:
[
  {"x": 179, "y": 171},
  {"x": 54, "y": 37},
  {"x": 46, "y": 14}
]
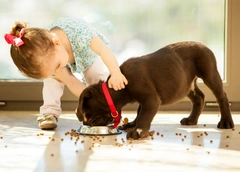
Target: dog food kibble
[
  {"x": 1, "y": 137},
  {"x": 211, "y": 141},
  {"x": 158, "y": 133},
  {"x": 227, "y": 137},
  {"x": 204, "y": 125},
  {"x": 151, "y": 133},
  {"x": 226, "y": 146},
  {"x": 53, "y": 139},
  {"x": 52, "y": 154},
  {"x": 125, "y": 121},
  {"x": 119, "y": 144},
  {"x": 62, "y": 139},
  {"x": 233, "y": 129},
  {"x": 37, "y": 134},
  {"x": 161, "y": 135}
]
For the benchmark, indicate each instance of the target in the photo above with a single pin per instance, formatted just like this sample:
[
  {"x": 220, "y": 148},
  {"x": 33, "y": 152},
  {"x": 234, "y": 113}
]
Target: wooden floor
[{"x": 173, "y": 147}]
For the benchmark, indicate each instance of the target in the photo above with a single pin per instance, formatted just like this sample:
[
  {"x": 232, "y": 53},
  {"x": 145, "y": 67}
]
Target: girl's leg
[
  {"x": 98, "y": 71},
  {"x": 51, "y": 108}
]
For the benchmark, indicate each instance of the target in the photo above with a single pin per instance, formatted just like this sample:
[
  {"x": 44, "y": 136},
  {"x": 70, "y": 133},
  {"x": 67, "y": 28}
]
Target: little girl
[{"x": 69, "y": 46}]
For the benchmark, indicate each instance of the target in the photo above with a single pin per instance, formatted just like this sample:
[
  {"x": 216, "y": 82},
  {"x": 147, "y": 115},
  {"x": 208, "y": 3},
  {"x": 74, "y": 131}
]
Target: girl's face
[{"x": 56, "y": 61}]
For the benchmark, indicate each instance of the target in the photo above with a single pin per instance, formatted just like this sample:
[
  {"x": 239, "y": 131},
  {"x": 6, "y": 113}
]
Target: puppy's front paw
[
  {"x": 187, "y": 121},
  {"x": 136, "y": 133},
  {"x": 225, "y": 124}
]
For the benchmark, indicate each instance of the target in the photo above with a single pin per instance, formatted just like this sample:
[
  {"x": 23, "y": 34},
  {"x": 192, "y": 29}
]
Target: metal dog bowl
[{"x": 97, "y": 130}]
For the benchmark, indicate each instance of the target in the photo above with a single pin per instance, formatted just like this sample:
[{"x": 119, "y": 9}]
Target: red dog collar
[{"x": 116, "y": 116}]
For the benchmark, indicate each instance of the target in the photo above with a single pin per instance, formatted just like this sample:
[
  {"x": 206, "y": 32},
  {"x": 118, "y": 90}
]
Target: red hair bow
[{"x": 11, "y": 39}]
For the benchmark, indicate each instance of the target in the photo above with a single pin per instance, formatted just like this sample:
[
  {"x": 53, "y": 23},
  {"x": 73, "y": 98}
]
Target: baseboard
[{"x": 72, "y": 105}]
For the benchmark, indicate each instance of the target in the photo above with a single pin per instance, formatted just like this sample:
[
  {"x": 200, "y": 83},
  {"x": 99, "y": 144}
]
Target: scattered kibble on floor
[{"x": 96, "y": 140}]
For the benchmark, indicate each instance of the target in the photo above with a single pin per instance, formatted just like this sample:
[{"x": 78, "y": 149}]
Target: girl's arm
[
  {"x": 74, "y": 85},
  {"x": 117, "y": 80}
]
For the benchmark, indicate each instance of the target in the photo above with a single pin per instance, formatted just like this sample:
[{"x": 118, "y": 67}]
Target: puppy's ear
[{"x": 86, "y": 94}]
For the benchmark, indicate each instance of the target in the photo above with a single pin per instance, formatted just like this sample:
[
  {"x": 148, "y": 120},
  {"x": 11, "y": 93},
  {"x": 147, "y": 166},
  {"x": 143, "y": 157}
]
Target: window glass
[{"x": 133, "y": 27}]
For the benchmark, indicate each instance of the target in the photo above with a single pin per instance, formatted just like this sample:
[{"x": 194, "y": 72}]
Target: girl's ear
[{"x": 56, "y": 41}]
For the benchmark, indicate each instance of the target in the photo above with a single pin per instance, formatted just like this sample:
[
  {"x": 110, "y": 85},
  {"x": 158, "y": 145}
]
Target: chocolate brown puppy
[{"x": 162, "y": 77}]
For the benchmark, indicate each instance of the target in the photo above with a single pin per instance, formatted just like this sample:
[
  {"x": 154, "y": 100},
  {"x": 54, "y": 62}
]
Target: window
[
  {"x": 133, "y": 28},
  {"x": 131, "y": 31}
]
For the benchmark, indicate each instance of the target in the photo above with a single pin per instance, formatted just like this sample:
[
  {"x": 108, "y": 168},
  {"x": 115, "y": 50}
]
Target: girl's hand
[{"x": 117, "y": 81}]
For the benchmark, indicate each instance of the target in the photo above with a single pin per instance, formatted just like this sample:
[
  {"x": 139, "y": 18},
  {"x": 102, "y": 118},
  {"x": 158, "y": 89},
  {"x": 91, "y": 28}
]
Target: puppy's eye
[{"x": 87, "y": 115}]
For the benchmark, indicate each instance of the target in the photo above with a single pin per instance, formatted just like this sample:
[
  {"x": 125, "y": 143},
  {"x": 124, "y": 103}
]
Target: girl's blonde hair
[{"x": 29, "y": 56}]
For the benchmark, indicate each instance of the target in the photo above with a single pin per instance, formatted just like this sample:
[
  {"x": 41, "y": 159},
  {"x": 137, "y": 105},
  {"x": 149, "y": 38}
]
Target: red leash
[{"x": 116, "y": 116}]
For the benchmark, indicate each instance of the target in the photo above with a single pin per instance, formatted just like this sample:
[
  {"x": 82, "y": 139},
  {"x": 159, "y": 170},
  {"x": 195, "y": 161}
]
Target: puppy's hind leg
[
  {"x": 206, "y": 69},
  {"x": 197, "y": 99},
  {"x": 215, "y": 84}
]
